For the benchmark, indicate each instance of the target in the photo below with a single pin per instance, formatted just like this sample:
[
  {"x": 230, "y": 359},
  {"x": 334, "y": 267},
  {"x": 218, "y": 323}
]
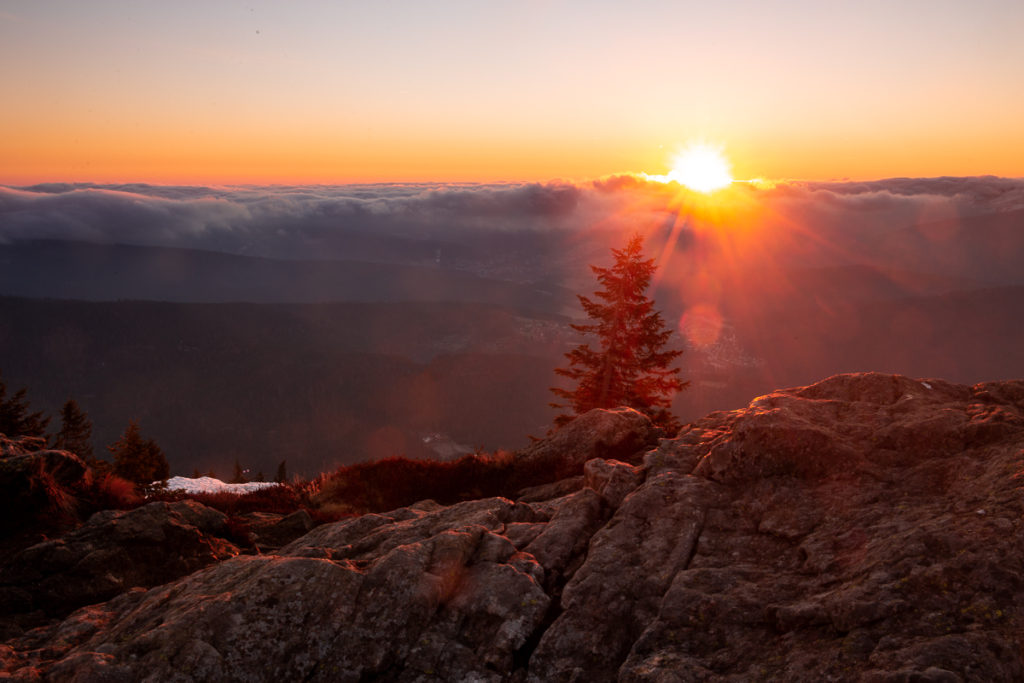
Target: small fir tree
[
  {"x": 137, "y": 459},
  {"x": 239, "y": 477},
  {"x": 282, "y": 473},
  {"x": 15, "y": 417},
  {"x": 195, "y": 473},
  {"x": 631, "y": 365},
  {"x": 75, "y": 433}
]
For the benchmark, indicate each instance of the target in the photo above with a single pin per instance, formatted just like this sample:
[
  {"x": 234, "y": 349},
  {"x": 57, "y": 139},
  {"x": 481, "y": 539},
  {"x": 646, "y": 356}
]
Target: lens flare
[{"x": 701, "y": 325}]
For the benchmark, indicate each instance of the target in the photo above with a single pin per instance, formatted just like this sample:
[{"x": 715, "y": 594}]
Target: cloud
[
  {"x": 113, "y": 215},
  {"x": 897, "y": 203},
  {"x": 199, "y": 216},
  {"x": 982, "y": 191},
  {"x": 810, "y": 222}
]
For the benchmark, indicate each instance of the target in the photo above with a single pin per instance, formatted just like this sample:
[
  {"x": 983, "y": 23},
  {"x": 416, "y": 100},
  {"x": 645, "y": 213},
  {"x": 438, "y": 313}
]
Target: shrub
[
  {"x": 239, "y": 532},
  {"x": 107, "y": 491},
  {"x": 138, "y": 459},
  {"x": 398, "y": 482},
  {"x": 34, "y": 499},
  {"x": 15, "y": 416},
  {"x": 281, "y": 500}
]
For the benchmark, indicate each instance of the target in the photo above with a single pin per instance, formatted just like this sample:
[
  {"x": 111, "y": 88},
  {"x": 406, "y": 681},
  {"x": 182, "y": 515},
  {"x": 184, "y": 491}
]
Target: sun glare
[{"x": 702, "y": 168}]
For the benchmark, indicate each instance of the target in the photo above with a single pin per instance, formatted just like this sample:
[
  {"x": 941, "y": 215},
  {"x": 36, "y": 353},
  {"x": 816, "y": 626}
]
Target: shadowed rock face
[
  {"x": 112, "y": 552},
  {"x": 32, "y": 478},
  {"x": 867, "y": 527}
]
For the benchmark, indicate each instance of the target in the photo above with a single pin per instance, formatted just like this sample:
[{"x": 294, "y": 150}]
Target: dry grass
[
  {"x": 353, "y": 490},
  {"x": 108, "y": 491},
  {"x": 398, "y": 482},
  {"x": 283, "y": 499}
]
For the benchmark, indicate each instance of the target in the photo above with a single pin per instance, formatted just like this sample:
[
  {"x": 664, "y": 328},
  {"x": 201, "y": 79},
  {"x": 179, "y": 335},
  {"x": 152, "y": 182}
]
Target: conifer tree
[
  {"x": 239, "y": 476},
  {"x": 282, "y": 473},
  {"x": 75, "y": 433},
  {"x": 630, "y": 365},
  {"x": 15, "y": 418},
  {"x": 137, "y": 459}
]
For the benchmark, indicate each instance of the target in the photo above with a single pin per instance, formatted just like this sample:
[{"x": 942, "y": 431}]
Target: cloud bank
[{"x": 808, "y": 221}]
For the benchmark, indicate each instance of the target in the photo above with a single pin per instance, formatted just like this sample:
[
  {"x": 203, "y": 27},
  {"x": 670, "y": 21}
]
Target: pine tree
[
  {"x": 630, "y": 366},
  {"x": 75, "y": 433},
  {"x": 282, "y": 473},
  {"x": 15, "y": 418},
  {"x": 239, "y": 477},
  {"x": 195, "y": 473},
  {"x": 137, "y": 459}
]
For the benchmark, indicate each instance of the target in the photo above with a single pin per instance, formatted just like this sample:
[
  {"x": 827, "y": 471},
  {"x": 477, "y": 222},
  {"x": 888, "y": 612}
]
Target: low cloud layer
[
  {"x": 837, "y": 219},
  {"x": 300, "y": 220}
]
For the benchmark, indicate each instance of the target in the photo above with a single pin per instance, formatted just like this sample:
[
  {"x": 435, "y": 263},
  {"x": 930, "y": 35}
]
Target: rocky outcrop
[
  {"x": 867, "y": 527},
  {"x": 113, "y": 552},
  {"x": 33, "y": 478},
  {"x": 612, "y": 434}
]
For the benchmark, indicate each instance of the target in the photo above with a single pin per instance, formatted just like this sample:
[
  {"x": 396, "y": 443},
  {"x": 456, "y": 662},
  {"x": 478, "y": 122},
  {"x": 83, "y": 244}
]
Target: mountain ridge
[{"x": 109, "y": 272}]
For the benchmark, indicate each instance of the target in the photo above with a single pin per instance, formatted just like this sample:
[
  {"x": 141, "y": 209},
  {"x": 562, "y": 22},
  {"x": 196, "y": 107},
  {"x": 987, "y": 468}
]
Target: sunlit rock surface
[
  {"x": 616, "y": 434},
  {"x": 867, "y": 527}
]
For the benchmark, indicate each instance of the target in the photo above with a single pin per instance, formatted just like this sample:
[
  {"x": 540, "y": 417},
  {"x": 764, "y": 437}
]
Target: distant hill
[
  {"x": 110, "y": 272},
  {"x": 327, "y": 384},
  {"x": 988, "y": 247},
  {"x": 968, "y": 337},
  {"x": 317, "y": 384},
  {"x": 332, "y": 362}
]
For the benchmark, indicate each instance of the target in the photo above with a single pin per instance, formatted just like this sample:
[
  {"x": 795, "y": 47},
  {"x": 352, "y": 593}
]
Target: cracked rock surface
[{"x": 865, "y": 528}]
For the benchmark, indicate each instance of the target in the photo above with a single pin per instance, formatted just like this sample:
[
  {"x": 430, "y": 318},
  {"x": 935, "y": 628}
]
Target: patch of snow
[
  {"x": 926, "y": 385},
  {"x": 211, "y": 485}
]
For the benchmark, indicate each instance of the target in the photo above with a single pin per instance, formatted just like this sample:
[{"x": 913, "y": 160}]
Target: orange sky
[{"x": 271, "y": 92}]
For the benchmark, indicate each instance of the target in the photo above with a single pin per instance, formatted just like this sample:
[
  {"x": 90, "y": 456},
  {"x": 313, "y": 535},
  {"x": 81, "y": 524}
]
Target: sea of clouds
[{"x": 310, "y": 221}]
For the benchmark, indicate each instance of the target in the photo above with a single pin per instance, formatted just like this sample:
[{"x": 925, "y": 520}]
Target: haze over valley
[{"x": 330, "y": 325}]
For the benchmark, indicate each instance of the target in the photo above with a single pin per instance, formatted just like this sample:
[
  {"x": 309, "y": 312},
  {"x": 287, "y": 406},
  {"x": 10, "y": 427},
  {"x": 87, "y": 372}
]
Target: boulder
[
  {"x": 619, "y": 434},
  {"x": 36, "y": 484},
  {"x": 113, "y": 552}
]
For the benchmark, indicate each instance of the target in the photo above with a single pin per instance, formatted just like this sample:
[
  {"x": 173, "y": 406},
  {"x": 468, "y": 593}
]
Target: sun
[{"x": 702, "y": 168}]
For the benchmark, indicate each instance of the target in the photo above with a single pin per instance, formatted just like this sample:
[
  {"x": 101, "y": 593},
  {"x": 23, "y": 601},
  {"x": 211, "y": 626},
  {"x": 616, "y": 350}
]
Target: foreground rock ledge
[{"x": 867, "y": 527}]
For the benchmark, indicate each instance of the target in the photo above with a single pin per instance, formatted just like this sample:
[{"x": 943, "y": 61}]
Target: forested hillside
[{"x": 319, "y": 385}]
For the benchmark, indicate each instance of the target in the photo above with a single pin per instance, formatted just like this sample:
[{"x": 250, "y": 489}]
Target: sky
[{"x": 521, "y": 91}]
